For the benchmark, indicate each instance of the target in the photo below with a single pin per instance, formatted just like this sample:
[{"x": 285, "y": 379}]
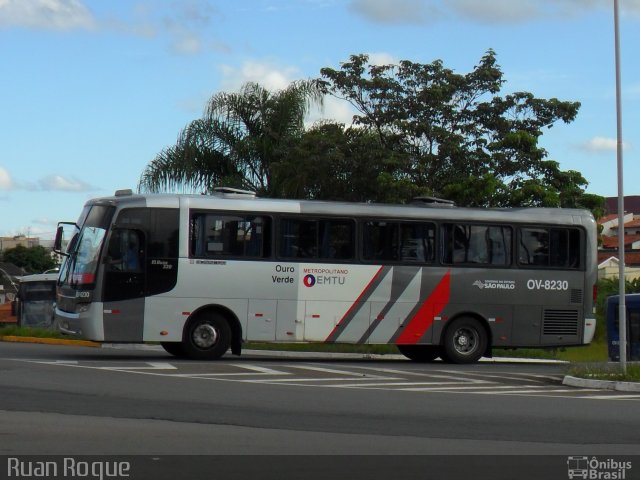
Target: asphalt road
[{"x": 86, "y": 401}]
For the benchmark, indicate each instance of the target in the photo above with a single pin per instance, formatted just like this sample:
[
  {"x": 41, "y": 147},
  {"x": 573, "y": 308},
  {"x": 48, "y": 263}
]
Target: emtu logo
[{"x": 309, "y": 280}]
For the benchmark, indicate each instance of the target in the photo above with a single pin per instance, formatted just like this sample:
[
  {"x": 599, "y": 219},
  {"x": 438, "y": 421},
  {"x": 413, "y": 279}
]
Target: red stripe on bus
[
  {"x": 423, "y": 319},
  {"x": 328, "y": 339}
]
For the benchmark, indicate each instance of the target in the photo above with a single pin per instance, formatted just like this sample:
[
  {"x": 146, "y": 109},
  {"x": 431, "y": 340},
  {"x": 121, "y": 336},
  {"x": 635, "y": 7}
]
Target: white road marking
[
  {"x": 152, "y": 366},
  {"x": 444, "y": 381},
  {"x": 329, "y": 370},
  {"x": 470, "y": 387},
  {"x": 315, "y": 379},
  {"x": 613, "y": 397},
  {"x": 253, "y": 369}
]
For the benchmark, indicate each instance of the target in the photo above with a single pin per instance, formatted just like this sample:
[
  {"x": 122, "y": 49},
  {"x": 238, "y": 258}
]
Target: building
[
  {"x": 608, "y": 254},
  {"x": 19, "y": 240}
]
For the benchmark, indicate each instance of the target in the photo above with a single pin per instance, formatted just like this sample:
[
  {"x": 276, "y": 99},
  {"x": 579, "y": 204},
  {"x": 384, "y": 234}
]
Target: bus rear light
[
  {"x": 186, "y": 314},
  {"x": 595, "y": 292},
  {"x": 164, "y": 333}
]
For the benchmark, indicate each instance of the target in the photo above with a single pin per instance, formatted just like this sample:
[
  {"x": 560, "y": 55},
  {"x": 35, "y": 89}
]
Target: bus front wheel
[
  {"x": 465, "y": 341},
  {"x": 207, "y": 337},
  {"x": 420, "y": 353}
]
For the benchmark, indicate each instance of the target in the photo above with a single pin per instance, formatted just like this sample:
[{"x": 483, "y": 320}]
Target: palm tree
[{"x": 237, "y": 142}]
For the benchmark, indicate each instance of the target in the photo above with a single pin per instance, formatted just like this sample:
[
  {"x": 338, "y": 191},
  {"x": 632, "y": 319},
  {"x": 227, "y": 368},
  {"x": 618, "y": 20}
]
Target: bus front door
[{"x": 124, "y": 286}]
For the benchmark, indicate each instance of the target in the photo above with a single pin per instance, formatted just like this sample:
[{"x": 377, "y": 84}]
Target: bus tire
[
  {"x": 174, "y": 348},
  {"x": 465, "y": 341},
  {"x": 206, "y": 337},
  {"x": 420, "y": 353}
]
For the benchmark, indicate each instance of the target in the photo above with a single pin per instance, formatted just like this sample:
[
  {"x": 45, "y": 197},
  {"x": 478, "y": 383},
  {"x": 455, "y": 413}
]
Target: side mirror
[
  {"x": 57, "y": 244},
  {"x": 60, "y": 235}
]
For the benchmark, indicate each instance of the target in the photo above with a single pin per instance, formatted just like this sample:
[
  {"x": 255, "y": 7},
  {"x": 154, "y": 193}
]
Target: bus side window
[
  {"x": 227, "y": 235},
  {"x": 534, "y": 247},
  {"x": 476, "y": 244},
  {"x": 550, "y": 247},
  {"x": 380, "y": 241}
]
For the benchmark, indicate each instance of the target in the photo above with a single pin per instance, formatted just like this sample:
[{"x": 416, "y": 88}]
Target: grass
[
  {"x": 595, "y": 352},
  {"x": 604, "y": 371},
  {"x": 323, "y": 347},
  {"x": 13, "y": 330}
]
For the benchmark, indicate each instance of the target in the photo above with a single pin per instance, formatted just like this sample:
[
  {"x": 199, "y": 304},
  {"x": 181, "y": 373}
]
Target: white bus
[{"x": 204, "y": 273}]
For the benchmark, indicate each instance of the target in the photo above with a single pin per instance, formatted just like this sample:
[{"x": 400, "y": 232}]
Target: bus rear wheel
[
  {"x": 206, "y": 337},
  {"x": 465, "y": 341},
  {"x": 420, "y": 353}
]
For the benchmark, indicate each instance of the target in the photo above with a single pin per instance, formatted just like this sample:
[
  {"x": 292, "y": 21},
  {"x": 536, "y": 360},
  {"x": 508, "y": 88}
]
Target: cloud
[
  {"x": 6, "y": 183},
  {"x": 267, "y": 74},
  {"x": 277, "y": 77},
  {"x": 381, "y": 58},
  {"x": 397, "y": 11},
  {"x": 185, "y": 25},
  {"x": 333, "y": 109},
  {"x": 602, "y": 144},
  {"x": 63, "y": 184},
  {"x": 410, "y": 12},
  {"x": 187, "y": 44},
  {"x": 46, "y": 14},
  {"x": 497, "y": 11}
]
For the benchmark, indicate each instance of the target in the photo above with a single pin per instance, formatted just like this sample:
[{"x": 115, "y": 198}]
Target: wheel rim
[
  {"x": 205, "y": 336},
  {"x": 465, "y": 341}
]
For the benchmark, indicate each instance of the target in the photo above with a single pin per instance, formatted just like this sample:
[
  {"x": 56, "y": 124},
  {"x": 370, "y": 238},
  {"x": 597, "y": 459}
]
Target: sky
[{"x": 92, "y": 90}]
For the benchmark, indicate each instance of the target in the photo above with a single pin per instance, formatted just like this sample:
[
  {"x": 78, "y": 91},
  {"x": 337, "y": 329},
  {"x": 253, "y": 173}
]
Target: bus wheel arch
[
  {"x": 466, "y": 338},
  {"x": 210, "y": 331}
]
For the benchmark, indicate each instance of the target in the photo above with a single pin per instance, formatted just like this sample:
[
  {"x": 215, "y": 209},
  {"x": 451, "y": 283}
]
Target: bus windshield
[
  {"x": 83, "y": 265},
  {"x": 86, "y": 258}
]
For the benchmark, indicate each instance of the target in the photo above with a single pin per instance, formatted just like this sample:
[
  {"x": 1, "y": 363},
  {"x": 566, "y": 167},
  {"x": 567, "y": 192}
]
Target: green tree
[
  {"x": 455, "y": 136},
  {"x": 331, "y": 162},
  {"x": 236, "y": 143},
  {"x": 33, "y": 259}
]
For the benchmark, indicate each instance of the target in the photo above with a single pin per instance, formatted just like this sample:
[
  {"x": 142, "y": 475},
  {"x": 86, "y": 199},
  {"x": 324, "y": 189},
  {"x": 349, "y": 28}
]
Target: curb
[
  {"x": 374, "y": 356},
  {"x": 601, "y": 384},
  {"x": 48, "y": 341}
]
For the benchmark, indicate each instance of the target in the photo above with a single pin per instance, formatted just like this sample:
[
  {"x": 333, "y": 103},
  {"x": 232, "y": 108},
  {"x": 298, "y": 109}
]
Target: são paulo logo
[{"x": 309, "y": 280}]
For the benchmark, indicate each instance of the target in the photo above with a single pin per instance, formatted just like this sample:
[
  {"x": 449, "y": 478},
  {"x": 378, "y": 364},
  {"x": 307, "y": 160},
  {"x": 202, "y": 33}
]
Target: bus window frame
[
  {"x": 513, "y": 227},
  {"x": 582, "y": 255},
  {"x": 268, "y": 237},
  {"x": 355, "y": 257},
  {"x": 403, "y": 221}
]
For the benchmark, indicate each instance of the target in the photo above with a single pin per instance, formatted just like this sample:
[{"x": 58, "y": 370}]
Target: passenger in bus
[{"x": 130, "y": 260}]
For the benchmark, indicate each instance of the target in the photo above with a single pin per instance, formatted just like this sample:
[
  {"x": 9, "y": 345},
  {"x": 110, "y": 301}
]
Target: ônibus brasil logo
[{"x": 309, "y": 280}]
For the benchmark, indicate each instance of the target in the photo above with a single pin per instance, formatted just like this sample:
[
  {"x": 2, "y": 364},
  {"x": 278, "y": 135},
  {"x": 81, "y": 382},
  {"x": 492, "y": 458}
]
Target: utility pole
[{"x": 622, "y": 312}]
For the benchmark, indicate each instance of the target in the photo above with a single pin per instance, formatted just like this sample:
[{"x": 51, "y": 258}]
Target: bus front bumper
[{"x": 81, "y": 324}]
